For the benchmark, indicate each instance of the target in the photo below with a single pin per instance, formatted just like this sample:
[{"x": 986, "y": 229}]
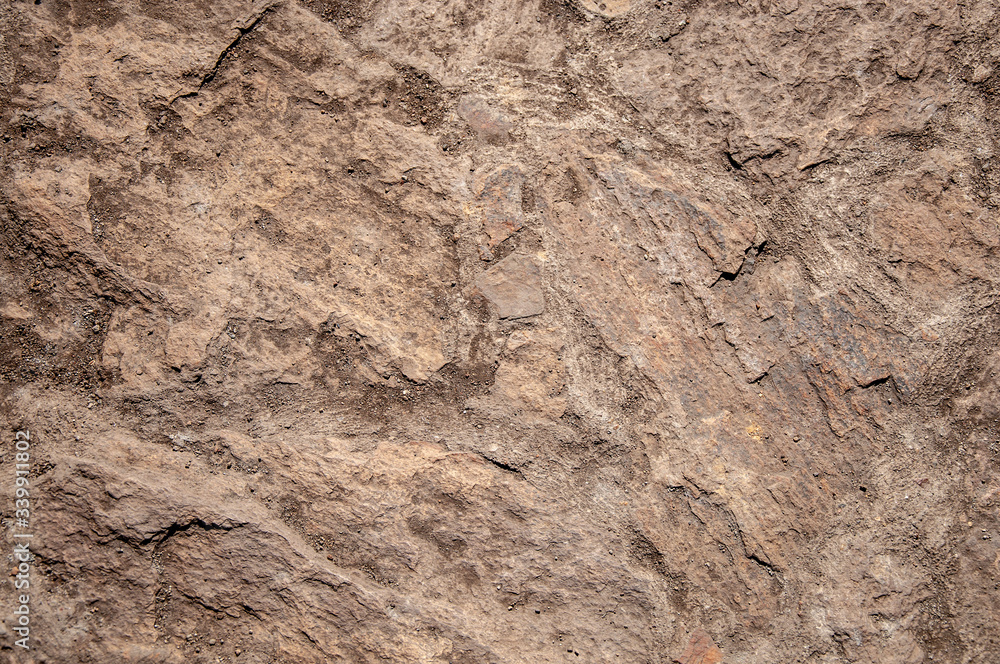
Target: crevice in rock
[
  {"x": 243, "y": 32},
  {"x": 162, "y": 536},
  {"x": 503, "y": 466}
]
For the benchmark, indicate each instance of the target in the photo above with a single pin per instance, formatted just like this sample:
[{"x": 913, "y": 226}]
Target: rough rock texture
[{"x": 542, "y": 331}]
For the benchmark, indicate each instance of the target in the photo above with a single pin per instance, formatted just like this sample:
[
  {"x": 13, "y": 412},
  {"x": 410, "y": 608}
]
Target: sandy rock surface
[{"x": 543, "y": 331}]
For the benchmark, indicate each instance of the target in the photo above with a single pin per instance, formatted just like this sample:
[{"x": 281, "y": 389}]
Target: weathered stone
[
  {"x": 514, "y": 286},
  {"x": 485, "y": 121},
  {"x": 497, "y": 208},
  {"x": 727, "y": 388}
]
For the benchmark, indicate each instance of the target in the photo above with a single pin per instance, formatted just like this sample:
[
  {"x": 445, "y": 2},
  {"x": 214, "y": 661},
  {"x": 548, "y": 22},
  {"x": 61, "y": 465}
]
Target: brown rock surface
[{"x": 540, "y": 331}]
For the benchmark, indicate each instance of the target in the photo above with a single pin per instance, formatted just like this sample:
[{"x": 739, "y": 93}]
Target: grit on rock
[{"x": 502, "y": 331}]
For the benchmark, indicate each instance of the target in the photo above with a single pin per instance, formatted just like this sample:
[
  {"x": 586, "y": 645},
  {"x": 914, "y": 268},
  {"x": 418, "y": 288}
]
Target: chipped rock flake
[
  {"x": 700, "y": 650},
  {"x": 514, "y": 287}
]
